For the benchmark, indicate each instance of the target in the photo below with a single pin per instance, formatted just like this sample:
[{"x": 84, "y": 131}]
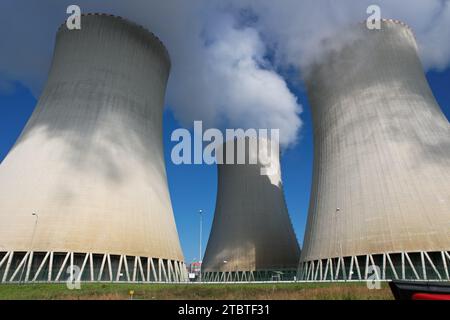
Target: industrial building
[
  {"x": 252, "y": 237},
  {"x": 380, "y": 197},
  {"x": 85, "y": 184}
]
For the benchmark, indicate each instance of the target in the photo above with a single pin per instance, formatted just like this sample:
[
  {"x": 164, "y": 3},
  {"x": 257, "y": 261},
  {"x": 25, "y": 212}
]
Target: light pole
[
  {"x": 200, "y": 212},
  {"x": 31, "y": 245},
  {"x": 225, "y": 270},
  {"x": 34, "y": 229},
  {"x": 339, "y": 218}
]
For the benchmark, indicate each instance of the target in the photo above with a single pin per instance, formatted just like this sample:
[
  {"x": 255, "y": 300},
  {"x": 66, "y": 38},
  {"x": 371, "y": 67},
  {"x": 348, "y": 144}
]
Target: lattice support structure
[
  {"x": 18, "y": 267},
  {"x": 420, "y": 265},
  {"x": 250, "y": 276}
]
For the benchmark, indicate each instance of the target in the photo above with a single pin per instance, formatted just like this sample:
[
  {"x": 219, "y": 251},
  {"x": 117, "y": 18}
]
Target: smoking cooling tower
[
  {"x": 380, "y": 198},
  {"x": 85, "y": 184},
  {"x": 252, "y": 236}
]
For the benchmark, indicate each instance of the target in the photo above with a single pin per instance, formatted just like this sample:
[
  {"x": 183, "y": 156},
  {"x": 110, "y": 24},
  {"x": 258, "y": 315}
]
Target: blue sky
[{"x": 193, "y": 187}]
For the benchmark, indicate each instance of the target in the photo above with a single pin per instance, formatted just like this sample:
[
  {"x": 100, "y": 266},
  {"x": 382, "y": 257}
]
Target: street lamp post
[
  {"x": 200, "y": 260},
  {"x": 34, "y": 229},
  {"x": 224, "y": 270},
  {"x": 31, "y": 245},
  {"x": 339, "y": 218}
]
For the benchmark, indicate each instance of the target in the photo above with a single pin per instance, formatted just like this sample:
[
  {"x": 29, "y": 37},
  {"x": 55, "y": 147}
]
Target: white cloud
[
  {"x": 220, "y": 73},
  {"x": 236, "y": 84},
  {"x": 297, "y": 28}
]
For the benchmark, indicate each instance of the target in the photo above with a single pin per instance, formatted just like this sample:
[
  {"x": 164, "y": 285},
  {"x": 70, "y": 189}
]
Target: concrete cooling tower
[
  {"x": 85, "y": 184},
  {"x": 380, "y": 198},
  {"x": 252, "y": 236}
]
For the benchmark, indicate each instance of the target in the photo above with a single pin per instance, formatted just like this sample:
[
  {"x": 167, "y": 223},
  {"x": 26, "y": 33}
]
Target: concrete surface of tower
[
  {"x": 252, "y": 236},
  {"x": 85, "y": 184},
  {"x": 380, "y": 197}
]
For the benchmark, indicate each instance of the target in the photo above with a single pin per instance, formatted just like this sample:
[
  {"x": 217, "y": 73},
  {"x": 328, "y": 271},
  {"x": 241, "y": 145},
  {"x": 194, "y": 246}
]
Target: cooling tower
[
  {"x": 251, "y": 237},
  {"x": 85, "y": 184},
  {"x": 380, "y": 197}
]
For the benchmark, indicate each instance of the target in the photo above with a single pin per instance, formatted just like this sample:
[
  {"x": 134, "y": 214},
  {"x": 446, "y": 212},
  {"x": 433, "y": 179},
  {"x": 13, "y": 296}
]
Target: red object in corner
[{"x": 430, "y": 296}]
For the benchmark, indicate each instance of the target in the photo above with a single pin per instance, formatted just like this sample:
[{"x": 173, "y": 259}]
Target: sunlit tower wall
[
  {"x": 380, "y": 197},
  {"x": 252, "y": 237},
  {"x": 85, "y": 184}
]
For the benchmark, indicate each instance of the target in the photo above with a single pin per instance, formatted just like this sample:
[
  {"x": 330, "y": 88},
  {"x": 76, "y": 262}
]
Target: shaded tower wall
[
  {"x": 90, "y": 159},
  {"x": 251, "y": 230},
  {"x": 381, "y": 180}
]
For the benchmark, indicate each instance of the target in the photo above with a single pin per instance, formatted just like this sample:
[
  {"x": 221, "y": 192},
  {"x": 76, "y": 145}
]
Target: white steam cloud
[
  {"x": 229, "y": 56},
  {"x": 297, "y": 28}
]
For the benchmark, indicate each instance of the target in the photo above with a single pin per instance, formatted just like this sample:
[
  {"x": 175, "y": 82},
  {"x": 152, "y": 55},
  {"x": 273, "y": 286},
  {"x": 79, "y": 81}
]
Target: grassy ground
[{"x": 107, "y": 291}]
